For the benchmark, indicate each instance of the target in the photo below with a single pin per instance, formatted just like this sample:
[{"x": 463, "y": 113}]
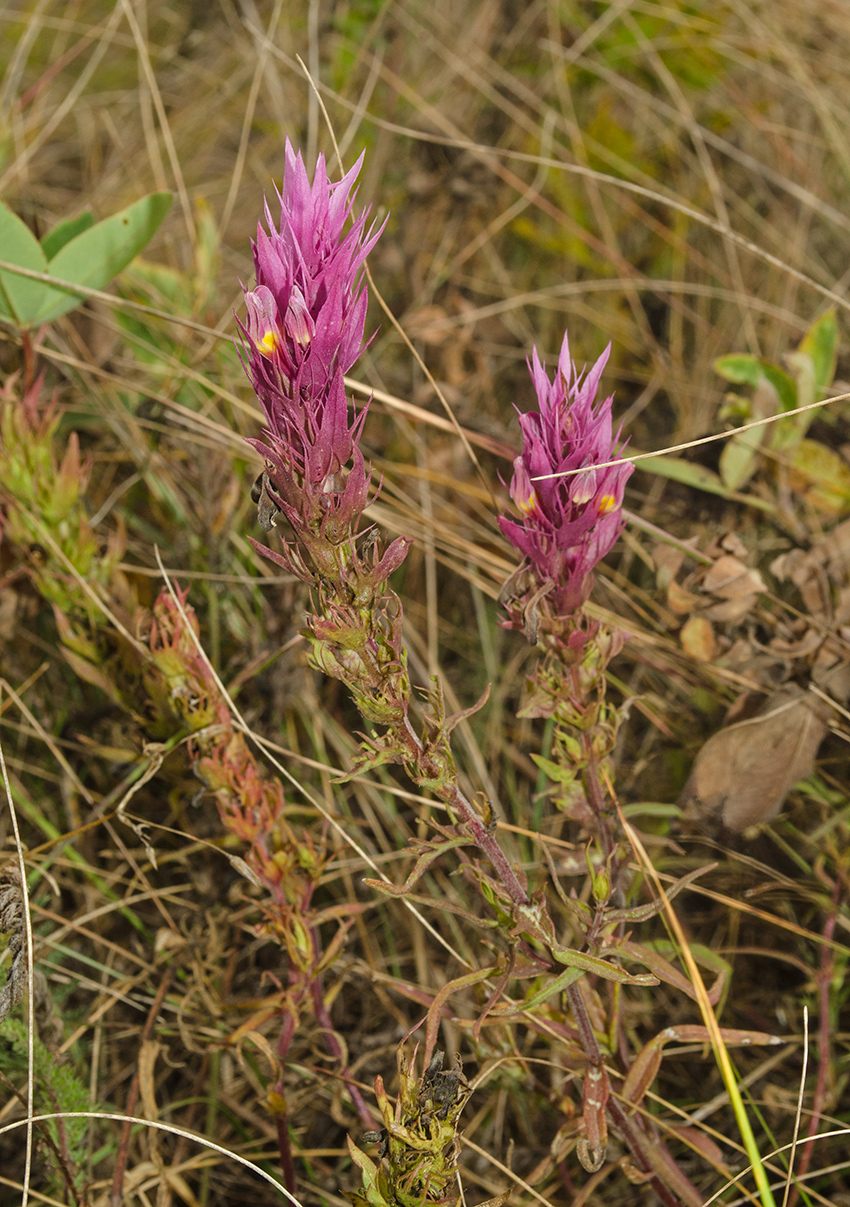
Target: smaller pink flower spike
[{"x": 567, "y": 524}]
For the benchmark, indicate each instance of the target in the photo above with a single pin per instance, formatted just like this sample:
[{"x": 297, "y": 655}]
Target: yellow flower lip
[
  {"x": 607, "y": 503},
  {"x": 528, "y": 504},
  {"x": 268, "y": 344}
]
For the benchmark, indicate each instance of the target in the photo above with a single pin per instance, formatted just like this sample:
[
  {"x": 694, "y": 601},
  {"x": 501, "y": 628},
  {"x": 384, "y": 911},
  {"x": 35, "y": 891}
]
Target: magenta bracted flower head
[
  {"x": 304, "y": 330},
  {"x": 567, "y": 524}
]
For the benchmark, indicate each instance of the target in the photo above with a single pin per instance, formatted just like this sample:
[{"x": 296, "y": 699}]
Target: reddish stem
[
  {"x": 333, "y": 1046},
  {"x": 455, "y": 800},
  {"x": 625, "y": 1124},
  {"x": 287, "y": 1164},
  {"x": 29, "y": 360}
]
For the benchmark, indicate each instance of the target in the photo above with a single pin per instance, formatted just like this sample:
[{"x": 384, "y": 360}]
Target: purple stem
[
  {"x": 287, "y": 1164},
  {"x": 637, "y": 1142},
  {"x": 455, "y": 799},
  {"x": 333, "y": 1046}
]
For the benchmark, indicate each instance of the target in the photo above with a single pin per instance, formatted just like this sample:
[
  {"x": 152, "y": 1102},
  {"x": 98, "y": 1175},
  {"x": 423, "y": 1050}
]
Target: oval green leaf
[
  {"x": 98, "y": 254},
  {"x": 746, "y": 370},
  {"x": 738, "y": 460},
  {"x": 64, "y": 232},
  {"x": 822, "y": 476},
  {"x": 20, "y": 298},
  {"x": 741, "y": 368},
  {"x": 699, "y": 477}
]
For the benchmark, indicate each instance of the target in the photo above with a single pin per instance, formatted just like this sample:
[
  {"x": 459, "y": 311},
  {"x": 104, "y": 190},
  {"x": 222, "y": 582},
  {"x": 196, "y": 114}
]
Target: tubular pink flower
[
  {"x": 567, "y": 524},
  {"x": 303, "y": 332}
]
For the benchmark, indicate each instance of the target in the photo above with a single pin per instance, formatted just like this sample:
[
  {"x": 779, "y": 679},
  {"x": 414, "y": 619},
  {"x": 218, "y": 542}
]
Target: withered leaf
[
  {"x": 730, "y": 579},
  {"x": 806, "y": 572},
  {"x": 743, "y": 773},
  {"x": 698, "y": 640},
  {"x": 679, "y": 600},
  {"x": 833, "y": 552},
  {"x": 730, "y": 610},
  {"x": 667, "y": 560}
]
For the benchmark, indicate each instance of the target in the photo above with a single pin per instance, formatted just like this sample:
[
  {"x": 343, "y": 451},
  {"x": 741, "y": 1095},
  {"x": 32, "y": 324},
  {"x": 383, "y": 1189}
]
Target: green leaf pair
[
  {"x": 76, "y": 252},
  {"x": 775, "y": 391}
]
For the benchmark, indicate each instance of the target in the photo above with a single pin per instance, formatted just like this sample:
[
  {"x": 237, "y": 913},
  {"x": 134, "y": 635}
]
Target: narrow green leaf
[
  {"x": 98, "y": 254},
  {"x": 20, "y": 299},
  {"x": 56, "y": 239},
  {"x": 700, "y": 478},
  {"x": 783, "y": 383},
  {"x": 825, "y": 477},
  {"x": 436, "y": 1009},
  {"x": 431, "y": 852},
  {"x": 566, "y": 978},
  {"x": 371, "y": 1177},
  {"x": 586, "y": 963},
  {"x": 738, "y": 460},
  {"x": 555, "y": 772}
]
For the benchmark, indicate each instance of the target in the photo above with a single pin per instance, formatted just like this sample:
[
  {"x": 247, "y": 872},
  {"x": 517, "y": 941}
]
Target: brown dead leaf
[
  {"x": 698, "y": 640},
  {"x": 786, "y": 644},
  {"x": 730, "y": 579},
  {"x": 743, "y": 773},
  {"x": 730, "y": 542},
  {"x": 680, "y": 601},
  {"x": 831, "y": 671},
  {"x": 729, "y": 610},
  {"x": 667, "y": 560},
  {"x": 806, "y": 572},
  {"x": 833, "y": 552}
]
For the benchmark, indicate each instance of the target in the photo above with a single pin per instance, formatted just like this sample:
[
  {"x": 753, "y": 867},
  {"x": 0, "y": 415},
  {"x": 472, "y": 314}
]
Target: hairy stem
[{"x": 648, "y": 1153}]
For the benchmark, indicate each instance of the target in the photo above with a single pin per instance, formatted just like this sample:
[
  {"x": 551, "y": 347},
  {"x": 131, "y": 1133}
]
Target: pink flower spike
[
  {"x": 303, "y": 331},
  {"x": 566, "y": 524}
]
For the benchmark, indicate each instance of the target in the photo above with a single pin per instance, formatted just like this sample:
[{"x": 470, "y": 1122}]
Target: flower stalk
[
  {"x": 569, "y": 517},
  {"x": 303, "y": 331}
]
